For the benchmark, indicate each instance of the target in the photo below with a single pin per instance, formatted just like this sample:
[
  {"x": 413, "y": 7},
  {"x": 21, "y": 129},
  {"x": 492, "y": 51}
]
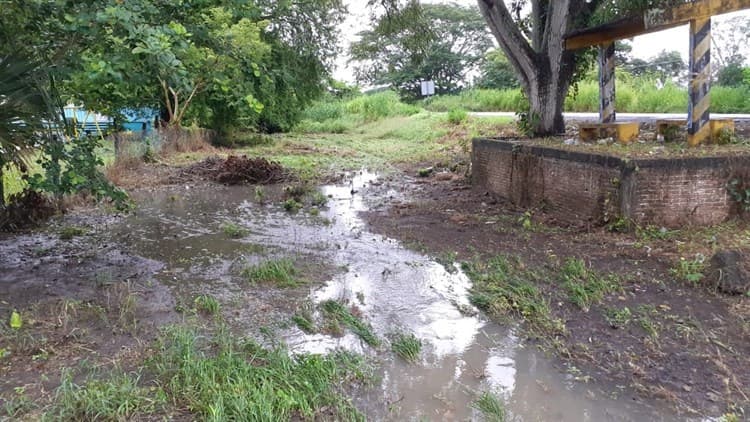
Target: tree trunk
[
  {"x": 543, "y": 67},
  {"x": 2, "y": 188}
]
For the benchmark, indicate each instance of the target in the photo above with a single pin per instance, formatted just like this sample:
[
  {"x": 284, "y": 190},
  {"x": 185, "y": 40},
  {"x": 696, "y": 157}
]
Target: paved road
[{"x": 623, "y": 117}]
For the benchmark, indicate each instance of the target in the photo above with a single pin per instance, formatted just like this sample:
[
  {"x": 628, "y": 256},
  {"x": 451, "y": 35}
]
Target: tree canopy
[{"x": 443, "y": 43}]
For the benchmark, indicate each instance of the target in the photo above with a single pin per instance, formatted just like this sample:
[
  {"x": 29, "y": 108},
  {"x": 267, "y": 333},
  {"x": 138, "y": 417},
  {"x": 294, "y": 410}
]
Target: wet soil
[
  {"x": 102, "y": 296},
  {"x": 696, "y": 355}
]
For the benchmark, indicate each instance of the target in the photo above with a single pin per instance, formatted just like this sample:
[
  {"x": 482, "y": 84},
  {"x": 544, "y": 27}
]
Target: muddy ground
[
  {"x": 95, "y": 288},
  {"x": 695, "y": 352}
]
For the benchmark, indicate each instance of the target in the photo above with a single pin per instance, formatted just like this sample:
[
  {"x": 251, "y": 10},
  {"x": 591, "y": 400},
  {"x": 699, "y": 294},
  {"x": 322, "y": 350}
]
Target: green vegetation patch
[
  {"x": 233, "y": 230},
  {"x": 502, "y": 287},
  {"x": 280, "y": 272},
  {"x": 490, "y": 406},
  {"x": 341, "y": 315},
  {"x": 69, "y": 232},
  {"x": 407, "y": 346},
  {"x": 584, "y": 286},
  {"x": 207, "y": 304}
]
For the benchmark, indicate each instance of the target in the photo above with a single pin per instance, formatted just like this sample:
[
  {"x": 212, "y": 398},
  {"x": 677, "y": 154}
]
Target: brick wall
[{"x": 580, "y": 187}]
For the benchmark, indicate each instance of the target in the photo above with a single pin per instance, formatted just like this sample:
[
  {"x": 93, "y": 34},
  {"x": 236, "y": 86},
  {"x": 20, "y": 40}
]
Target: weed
[
  {"x": 314, "y": 211},
  {"x": 649, "y": 233},
  {"x": 338, "y": 312},
  {"x": 425, "y": 172},
  {"x": 234, "y": 231},
  {"x": 490, "y": 406},
  {"x": 230, "y": 379},
  {"x": 260, "y": 194},
  {"x": 690, "y": 270},
  {"x": 618, "y": 318},
  {"x": 207, "y": 304},
  {"x": 646, "y": 321},
  {"x": 17, "y": 405},
  {"x": 298, "y": 191},
  {"x": 280, "y": 272},
  {"x": 69, "y": 232},
  {"x": 739, "y": 190},
  {"x": 583, "y": 285},
  {"x": 501, "y": 287},
  {"x": 618, "y": 225},
  {"x": 525, "y": 220},
  {"x": 318, "y": 199},
  {"x": 304, "y": 319},
  {"x": 457, "y": 116},
  {"x": 407, "y": 346},
  {"x": 116, "y": 398},
  {"x": 291, "y": 205}
]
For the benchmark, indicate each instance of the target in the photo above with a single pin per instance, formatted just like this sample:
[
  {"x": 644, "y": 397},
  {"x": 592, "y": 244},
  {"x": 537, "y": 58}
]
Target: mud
[{"x": 172, "y": 248}]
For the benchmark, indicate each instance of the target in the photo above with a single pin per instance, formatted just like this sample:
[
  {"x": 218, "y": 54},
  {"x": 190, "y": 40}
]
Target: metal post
[
  {"x": 699, "y": 128},
  {"x": 607, "y": 83}
]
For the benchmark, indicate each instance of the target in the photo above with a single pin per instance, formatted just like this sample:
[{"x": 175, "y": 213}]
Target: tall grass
[{"x": 634, "y": 95}]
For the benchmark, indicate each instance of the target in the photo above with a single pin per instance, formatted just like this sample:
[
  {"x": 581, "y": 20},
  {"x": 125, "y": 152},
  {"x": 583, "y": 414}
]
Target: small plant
[
  {"x": 618, "y": 225},
  {"x": 740, "y": 193},
  {"x": 457, "y": 116},
  {"x": 297, "y": 192},
  {"x": 525, "y": 220},
  {"x": 425, "y": 172},
  {"x": 260, "y": 194},
  {"x": 280, "y": 272},
  {"x": 206, "y": 304},
  {"x": 527, "y": 122},
  {"x": 583, "y": 285},
  {"x": 490, "y": 406},
  {"x": 314, "y": 211},
  {"x": 318, "y": 199},
  {"x": 407, "y": 346},
  {"x": 336, "y": 311},
  {"x": 291, "y": 205},
  {"x": 233, "y": 230},
  {"x": 648, "y": 233},
  {"x": 69, "y": 232},
  {"x": 725, "y": 136},
  {"x": 690, "y": 269},
  {"x": 671, "y": 133},
  {"x": 15, "y": 320},
  {"x": 618, "y": 318}
]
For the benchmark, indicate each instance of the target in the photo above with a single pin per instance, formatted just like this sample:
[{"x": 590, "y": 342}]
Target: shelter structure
[{"x": 700, "y": 127}]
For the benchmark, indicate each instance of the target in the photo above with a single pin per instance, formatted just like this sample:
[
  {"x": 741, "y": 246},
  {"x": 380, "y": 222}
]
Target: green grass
[
  {"x": 339, "y": 314},
  {"x": 618, "y": 318},
  {"x": 583, "y": 285},
  {"x": 69, "y": 232},
  {"x": 229, "y": 379},
  {"x": 233, "y": 230},
  {"x": 502, "y": 288},
  {"x": 490, "y": 406},
  {"x": 279, "y": 272},
  {"x": 207, "y": 304},
  {"x": 407, "y": 346},
  {"x": 457, "y": 116},
  {"x": 118, "y": 397}
]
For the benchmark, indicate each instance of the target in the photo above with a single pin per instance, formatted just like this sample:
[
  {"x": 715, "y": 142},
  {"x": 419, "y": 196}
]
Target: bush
[{"x": 457, "y": 116}]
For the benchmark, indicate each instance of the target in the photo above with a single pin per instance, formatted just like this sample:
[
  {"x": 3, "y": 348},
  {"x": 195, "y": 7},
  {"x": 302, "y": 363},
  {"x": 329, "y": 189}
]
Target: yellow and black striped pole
[
  {"x": 699, "y": 128},
  {"x": 607, "y": 83}
]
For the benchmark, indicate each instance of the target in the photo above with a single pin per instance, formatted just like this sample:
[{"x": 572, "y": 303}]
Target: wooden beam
[{"x": 652, "y": 20}]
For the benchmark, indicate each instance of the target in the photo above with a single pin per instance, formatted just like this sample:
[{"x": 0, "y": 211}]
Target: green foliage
[
  {"x": 69, "y": 232},
  {"x": 457, "y": 116},
  {"x": 739, "y": 190},
  {"x": 407, "y": 346},
  {"x": 233, "y": 230},
  {"x": 618, "y": 318},
  {"x": 380, "y": 105},
  {"x": 502, "y": 288},
  {"x": 231, "y": 379},
  {"x": 15, "y": 320},
  {"x": 340, "y": 314},
  {"x": 441, "y": 42},
  {"x": 280, "y": 272},
  {"x": 291, "y": 205},
  {"x": 584, "y": 286},
  {"x": 496, "y": 72},
  {"x": 207, "y": 304},
  {"x": 490, "y": 406},
  {"x": 118, "y": 397},
  {"x": 73, "y": 167},
  {"x": 690, "y": 270}
]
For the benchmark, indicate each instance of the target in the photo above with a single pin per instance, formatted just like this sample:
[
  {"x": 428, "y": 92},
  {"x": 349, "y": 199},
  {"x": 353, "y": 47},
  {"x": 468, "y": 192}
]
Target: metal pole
[{"x": 699, "y": 117}]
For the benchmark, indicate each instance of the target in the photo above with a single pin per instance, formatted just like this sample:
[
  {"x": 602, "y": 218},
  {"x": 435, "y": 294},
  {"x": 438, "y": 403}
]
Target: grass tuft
[
  {"x": 407, "y": 346},
  {"x": 69, "y": 232},
  {"x": 339, "y": 314},
  {"x": 234, "y": 231},
  {"x": 490, "y": 406},
  {"x": 207, "y": 304},
  {"x": 280, "y": 272},
  {"x": 584, "y": 286}
]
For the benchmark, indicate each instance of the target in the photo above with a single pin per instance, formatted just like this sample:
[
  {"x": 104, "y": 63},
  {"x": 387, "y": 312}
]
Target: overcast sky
[{"x": 645, "y": 46}]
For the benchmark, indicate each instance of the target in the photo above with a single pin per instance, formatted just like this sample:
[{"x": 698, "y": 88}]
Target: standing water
[{"x": 396, "y": 290}]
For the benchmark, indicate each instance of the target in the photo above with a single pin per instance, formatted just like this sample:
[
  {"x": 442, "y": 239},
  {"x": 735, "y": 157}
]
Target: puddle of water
[{"x": 396, "y": 289}]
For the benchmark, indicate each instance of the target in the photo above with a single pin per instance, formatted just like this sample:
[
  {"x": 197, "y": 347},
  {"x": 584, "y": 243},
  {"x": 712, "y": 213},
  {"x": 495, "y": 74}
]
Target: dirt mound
[{"x": 234, "y": 170}]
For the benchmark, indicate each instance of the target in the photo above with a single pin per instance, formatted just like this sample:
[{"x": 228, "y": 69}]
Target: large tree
[
  {"x": 439, "y": 42},
  {"x": 532, "y": 33}
]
